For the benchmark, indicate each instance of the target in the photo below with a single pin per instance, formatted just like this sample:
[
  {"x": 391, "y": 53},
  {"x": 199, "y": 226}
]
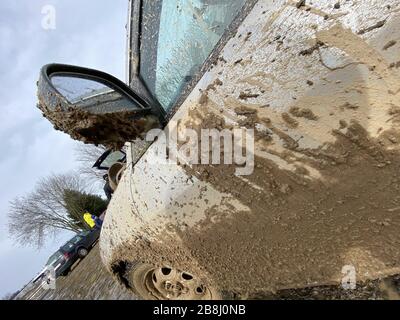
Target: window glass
[
  {"x": 84, "y": 233},
  {"x": 53, "y": 258},
  {"x": 76, "y": 239},
  {"x": 71, "y": 243},
  {"x": 112, "y": 158},
  {"x": 177, "y": 37},
  {"x": 68, "y": 246}
]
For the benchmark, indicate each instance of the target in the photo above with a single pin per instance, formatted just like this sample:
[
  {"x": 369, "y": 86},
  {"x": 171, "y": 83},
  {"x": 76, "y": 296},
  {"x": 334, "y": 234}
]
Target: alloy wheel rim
[{"x": 169, "y": 283}]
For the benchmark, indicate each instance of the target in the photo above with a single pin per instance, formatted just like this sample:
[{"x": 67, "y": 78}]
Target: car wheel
[
  {"x": 82, "y": 252},
  {"x": 153, "y": 283},
  {"x": 65, "y": 273}
]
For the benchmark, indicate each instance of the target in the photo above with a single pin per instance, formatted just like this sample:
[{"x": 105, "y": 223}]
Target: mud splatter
[
  {"x": 311, "y": 224},
  {"x": 303, "y": 113},
  {"x": 377, "y": 25},
  {"x": 394, "y": 65},
  {"x": 110, "y": 129},
  {"x": 203, "y": 98},
  {"x": 311, "y": 50},
  {"x": 348, "y": 105},
  {"x": 300, "y": 3},
  {"x": 390, "y": 44},
  {"x": 214, "y": 85},
  {"x": 247, "y": 37},
  {"x": 289, "y": 120},
  {"x": 242, "y": 111},
  {"x": 247, "y": 95}
]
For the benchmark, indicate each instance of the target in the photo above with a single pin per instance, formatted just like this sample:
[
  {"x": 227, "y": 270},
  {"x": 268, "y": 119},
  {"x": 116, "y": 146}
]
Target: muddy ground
[{"x": 381, "y": 289}]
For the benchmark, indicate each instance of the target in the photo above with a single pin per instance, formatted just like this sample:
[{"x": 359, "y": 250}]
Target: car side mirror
[{"x": 95, "y": 107}]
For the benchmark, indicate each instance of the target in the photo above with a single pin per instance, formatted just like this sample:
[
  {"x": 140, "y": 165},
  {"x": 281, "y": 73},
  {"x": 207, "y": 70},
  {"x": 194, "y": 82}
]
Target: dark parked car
[{"x": 78, "y": 247}]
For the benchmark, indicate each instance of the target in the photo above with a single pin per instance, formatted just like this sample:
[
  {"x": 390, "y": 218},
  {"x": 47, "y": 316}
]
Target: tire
[
  {"x": 65, "y": 273},
  {"x": 152, "y": 283},
  {"x": 82, "y": 252}
]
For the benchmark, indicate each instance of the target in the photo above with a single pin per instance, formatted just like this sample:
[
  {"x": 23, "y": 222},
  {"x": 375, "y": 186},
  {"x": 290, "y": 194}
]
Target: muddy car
[{"x": 305, "y": 98}]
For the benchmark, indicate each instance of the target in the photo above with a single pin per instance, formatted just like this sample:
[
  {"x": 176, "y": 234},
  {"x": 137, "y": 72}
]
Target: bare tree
[
  {"x": 43, "y": 212},
  {"x": 86, "y": 155}
]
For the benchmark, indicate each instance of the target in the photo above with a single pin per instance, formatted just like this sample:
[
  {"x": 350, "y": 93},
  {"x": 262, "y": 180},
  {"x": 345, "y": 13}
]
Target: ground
[
  {"x": 88, "y": 280},
  {"x": 382, "y": 289}
]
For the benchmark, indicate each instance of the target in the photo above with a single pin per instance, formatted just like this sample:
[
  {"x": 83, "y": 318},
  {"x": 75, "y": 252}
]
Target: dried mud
[
  {"x": 309, "y": 226},
  {"x": 109, "y": 129},
  {"x": 325, "y": 191},
  {"x": 302, "y": 230}
]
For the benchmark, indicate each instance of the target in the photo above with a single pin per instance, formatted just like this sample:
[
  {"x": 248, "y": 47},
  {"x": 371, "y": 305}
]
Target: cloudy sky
[{"x": 89, "y": 33}]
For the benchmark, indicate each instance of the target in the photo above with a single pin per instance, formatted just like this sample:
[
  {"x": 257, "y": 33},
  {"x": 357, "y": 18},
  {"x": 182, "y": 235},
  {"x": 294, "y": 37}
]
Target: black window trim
[
  {"x": 134, "y": 80},
  {"x": 133, "y": 50}
]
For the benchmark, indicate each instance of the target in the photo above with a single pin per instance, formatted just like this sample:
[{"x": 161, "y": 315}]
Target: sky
[{"x": 88, "y": 33}]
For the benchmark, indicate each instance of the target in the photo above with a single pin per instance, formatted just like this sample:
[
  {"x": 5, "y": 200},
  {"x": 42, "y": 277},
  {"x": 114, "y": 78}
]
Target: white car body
[{"x": 293, "y": 222}]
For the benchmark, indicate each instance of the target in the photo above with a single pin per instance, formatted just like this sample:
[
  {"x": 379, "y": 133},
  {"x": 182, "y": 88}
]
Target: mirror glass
[
  {"x": 78, "y": 89},
  {"x": 91, "y": 94}
]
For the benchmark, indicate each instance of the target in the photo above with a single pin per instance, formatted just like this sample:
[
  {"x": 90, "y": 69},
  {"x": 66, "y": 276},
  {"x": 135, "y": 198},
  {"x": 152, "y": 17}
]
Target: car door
[{"x": 305, "y": 78}]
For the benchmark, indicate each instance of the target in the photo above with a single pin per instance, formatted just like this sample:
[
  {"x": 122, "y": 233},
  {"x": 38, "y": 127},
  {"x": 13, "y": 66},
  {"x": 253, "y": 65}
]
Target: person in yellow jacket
[
  {"x": 89, "y": 220},
  {"x": 93, "y": 221}
]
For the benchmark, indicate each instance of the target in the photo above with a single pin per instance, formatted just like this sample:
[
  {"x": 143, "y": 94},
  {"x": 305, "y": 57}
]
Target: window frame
[
  {"x": 134, "y": 78},
  {"x": 99, "y": 162}
]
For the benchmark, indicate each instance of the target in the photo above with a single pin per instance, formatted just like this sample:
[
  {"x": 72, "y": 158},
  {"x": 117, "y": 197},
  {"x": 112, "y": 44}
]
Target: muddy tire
[
  {"x": 153, "y": 283},
  {"x": 82, "y": 252},
  {"x": 65, "y": 273}
]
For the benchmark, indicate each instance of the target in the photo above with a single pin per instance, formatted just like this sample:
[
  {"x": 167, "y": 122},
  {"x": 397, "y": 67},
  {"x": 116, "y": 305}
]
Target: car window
[
  {"x": 68, "y": 246},
  {"x": 71, "y": 243},
  {"x": 75, "y": 239},
  {"x": 53, "y": 258},
  {"x": 112, "y": 158},
  {"x": 177, "y": 37},
  {"x": 84, "y": 233}
]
